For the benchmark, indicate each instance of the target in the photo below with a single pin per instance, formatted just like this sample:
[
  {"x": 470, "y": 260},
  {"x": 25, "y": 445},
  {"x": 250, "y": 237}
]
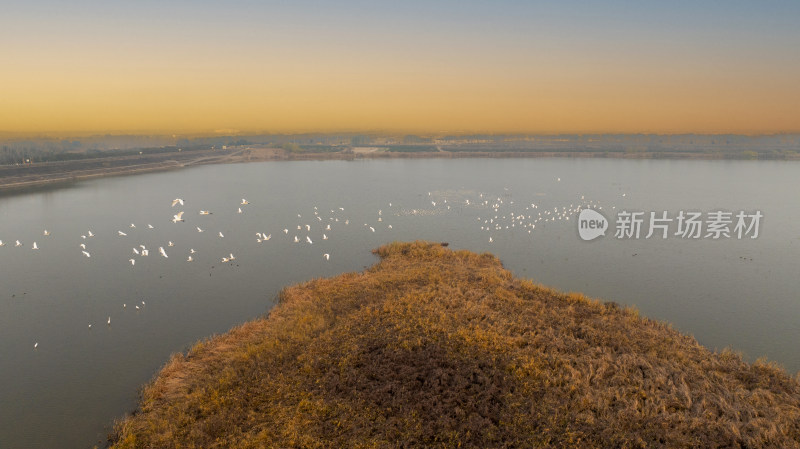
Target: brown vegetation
[{"x": 440, "y": 348}]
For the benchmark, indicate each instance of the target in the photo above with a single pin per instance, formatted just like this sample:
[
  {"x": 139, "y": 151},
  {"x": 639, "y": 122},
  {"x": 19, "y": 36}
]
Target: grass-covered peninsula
[{"x": 438, "y": 348}]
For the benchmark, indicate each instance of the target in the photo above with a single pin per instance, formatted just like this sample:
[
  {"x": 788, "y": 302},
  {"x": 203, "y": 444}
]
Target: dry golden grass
[{"x": 436, "y": 348}]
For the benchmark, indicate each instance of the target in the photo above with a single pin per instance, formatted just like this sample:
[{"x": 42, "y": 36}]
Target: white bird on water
[
  {"x": 177, "y": 201},
  {"x": 177, "y": 217}
]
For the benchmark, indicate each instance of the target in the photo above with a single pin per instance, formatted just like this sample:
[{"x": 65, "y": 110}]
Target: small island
[{"x": 432, "y": 347}]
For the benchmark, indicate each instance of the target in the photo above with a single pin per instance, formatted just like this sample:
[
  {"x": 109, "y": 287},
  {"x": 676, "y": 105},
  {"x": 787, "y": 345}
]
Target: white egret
[
  {"x": 177, "y": 201},
  {"x": 177, "y": 217}
]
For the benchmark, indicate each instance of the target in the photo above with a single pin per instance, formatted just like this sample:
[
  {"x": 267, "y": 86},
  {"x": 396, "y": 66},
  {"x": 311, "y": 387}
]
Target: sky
[{"x": 512, "y": 66}]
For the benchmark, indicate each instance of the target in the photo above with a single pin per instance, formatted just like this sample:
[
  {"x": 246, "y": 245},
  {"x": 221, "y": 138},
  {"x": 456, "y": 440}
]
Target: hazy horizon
[{"x": 447, "y": 67}]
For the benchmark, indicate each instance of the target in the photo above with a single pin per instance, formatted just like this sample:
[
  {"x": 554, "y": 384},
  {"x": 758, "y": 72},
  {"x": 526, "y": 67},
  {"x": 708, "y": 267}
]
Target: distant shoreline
[{"x": 43, "y": 174}]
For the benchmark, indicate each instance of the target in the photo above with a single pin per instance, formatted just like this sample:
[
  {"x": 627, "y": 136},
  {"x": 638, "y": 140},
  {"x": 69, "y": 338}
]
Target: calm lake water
[{"x": 738, "y": 293}]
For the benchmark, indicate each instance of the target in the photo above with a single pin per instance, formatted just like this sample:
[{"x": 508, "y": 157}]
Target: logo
[{"x": 591, "y": 224}]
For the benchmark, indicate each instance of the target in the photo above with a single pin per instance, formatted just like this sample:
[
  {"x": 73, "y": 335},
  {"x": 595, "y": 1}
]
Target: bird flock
[{"x": 493, "y": 215}]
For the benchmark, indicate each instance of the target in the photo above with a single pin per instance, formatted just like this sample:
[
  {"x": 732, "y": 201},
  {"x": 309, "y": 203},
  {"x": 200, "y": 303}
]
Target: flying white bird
[
  {"x": 244, "y": 201},
  {"x": 285, "y": 231},
  {"x": 198, "y": 229},
  {"x": 34, "y": 246},
  {"x": 90, "y": 234},
  {"x": 149, "y": 226},
  {"x": 2, "y": 244},
  {"x": 177, "y": 201},
  {"x": 327, "y": 256},
  {"x": 308, "y": 239},
  {"x": 36, "y": 345},
  {"x": 205, "y": 212},
  {"x": 268, "y": 237},
  {"x": 189, "y": 259},
  {"x": 240, "y": 210},
  {"x": 46, "y": 232},
  {"x": 372, "y": 229},
  {"x": 170, "y": 243},
  {"x": 86, "y": 254},
  {"x": 324, "y": 237},
  {"x": 145, "y": 252},
  {"x": 18, "y": 243},
  {"x": 177, "y": 217},
  {"x": 132, "y": 261},
  {"x": 296, "y": 240},
  {"x": 161, "y": 250},
  {"x": 121, "y": 233},
  {"x": 135, "y": 251},
  {"x": 133, "y": 225},
  {"x": 109, "y": 321},
  {"x": 220, "y": 234},
  {"x": 192, "y": 251}
]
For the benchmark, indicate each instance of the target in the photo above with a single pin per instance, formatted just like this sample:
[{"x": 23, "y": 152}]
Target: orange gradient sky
[{"x": 194, "y": 67}]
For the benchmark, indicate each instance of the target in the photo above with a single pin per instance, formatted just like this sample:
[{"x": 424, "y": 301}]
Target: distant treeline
[{"x": 11, "y": 156}]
